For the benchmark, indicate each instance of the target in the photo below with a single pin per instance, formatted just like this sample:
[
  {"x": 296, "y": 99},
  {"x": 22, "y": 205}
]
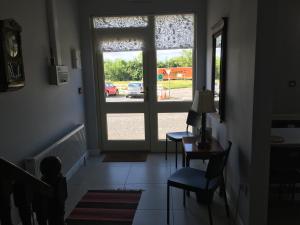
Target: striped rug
[{"x": 105, "y": 207}]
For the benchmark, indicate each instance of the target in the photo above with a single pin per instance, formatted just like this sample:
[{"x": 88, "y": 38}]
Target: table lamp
[{"x": 203, "y": 103}]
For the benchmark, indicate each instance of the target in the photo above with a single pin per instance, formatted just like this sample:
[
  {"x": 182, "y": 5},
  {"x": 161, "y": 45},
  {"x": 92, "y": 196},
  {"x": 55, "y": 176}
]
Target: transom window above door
[
  {"x": 171, "y": 31},
  {"x": 174, "y": 31},
  {"x": 120, "y": 22}
]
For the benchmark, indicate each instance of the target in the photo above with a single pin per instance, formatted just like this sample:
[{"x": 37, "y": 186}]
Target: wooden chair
[
  {"x": 194, "y": 120},
  {"x": 204, "y": 183}
]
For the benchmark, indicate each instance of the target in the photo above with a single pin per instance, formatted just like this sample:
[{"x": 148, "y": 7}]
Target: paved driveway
[{"x": 181, "y": 94}]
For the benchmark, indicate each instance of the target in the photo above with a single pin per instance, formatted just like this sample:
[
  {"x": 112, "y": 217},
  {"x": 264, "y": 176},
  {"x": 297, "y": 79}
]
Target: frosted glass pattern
[
  {"x": 121, "y": 45},
  {"x": 174, "y": 31},
  {"x": 120, "y": 22}
]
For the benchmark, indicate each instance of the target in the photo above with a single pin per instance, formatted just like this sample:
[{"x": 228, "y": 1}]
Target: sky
[{"x": 162, "y": 55}]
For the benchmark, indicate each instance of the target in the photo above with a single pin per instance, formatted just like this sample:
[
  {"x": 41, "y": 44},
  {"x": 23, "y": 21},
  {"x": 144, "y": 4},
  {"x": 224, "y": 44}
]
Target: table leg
[
  {"x": 183, "y": 156},
  {"x": 166, "y": 154},
  {"x": 176, "y": 155}
]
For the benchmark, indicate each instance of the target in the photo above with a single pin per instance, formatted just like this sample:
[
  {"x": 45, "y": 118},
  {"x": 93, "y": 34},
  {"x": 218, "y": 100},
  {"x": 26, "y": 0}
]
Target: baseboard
[
  {"x": 93, "y": 152},
  {"x": 232, "y": 202},
  {"x": 76, "y": 166}
]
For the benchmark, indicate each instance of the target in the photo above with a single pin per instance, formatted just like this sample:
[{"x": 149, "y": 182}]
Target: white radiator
[{"x": 71, "y": 149}]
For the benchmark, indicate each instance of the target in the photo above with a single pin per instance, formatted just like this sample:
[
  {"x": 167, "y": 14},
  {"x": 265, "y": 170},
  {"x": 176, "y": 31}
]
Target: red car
[{"x": 110, "y": 89}]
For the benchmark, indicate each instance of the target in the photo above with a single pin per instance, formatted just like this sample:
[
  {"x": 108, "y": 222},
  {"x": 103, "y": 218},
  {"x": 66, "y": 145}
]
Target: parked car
[
  {"x": 135, "y": 89},
  {"x": 110, "y": 89}
]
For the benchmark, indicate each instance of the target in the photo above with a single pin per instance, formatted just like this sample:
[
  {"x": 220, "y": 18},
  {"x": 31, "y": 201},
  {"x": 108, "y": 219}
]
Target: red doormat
[{"x": 105, "y": 207}]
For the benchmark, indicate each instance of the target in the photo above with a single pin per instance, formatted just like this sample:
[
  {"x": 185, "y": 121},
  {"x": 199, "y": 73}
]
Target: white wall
[
  {"x": 277, "y": 56},
  {"x": 239, "y": 94},
  {"x": 287, "y": 38},
  {"x": 99, "y": 8},
  {"x": 38, "y": 114},
  {"x": 35, "y": 116},
  {"x": 263, "y": 53},
  {"x": 265, "y": 70}
]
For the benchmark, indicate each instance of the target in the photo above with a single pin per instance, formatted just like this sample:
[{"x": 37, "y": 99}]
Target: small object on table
[{"x": 192, "y": 151}]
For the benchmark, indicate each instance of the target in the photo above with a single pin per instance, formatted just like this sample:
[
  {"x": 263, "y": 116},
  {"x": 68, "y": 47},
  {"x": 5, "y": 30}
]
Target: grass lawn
[{"x": 174, "y": 84}]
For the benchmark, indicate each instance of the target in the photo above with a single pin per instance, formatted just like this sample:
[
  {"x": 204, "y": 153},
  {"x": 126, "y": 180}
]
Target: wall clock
[{"x": 11, "y": 61}]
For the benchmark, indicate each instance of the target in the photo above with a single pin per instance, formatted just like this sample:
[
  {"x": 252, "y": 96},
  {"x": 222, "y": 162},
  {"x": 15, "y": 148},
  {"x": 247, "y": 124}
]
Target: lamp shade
[{"x": 203, "y": 102}]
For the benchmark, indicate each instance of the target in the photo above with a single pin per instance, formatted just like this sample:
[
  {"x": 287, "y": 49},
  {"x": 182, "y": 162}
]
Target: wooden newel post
[
  {"x": 51, "y": 210},
  {"x": 23, "y": 201},
  {"x": 46, "y": 197},
  {"x": 5, "y": 214}
]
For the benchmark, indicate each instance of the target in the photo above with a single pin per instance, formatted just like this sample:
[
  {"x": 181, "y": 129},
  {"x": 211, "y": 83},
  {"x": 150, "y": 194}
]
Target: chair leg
[
  {"x": 290, "y": 191},
  {"x": 183, "y": 156},
  {"x": 222, "y": 187},
  {"x": 166, "y": 154},
  {"x": 280, "y": 191},
  {"x": 176, "y": 155},
  {"x": 226, "y": 203},
  {"x": 210, "y": 215},
  {"x": 168, "y": 204},
  {"x": 187, "y": 164},
  {"x": 294, "y": 192},
  {"x": 184, "y": 198}
]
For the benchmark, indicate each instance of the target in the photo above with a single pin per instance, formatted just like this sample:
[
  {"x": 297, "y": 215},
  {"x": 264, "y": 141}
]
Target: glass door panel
[
  {"x": 174, "y": 48},
  {"x": 123, "y": 75},
  {"x": 125, "y": 126},
  {"x": 122, "y": 83},
  {"x": 166, "y": 123},
  {"x": 174, "y": 75}
]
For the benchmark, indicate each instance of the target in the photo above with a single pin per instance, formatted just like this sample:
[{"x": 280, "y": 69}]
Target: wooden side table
[{"x": 191, "y": 150}]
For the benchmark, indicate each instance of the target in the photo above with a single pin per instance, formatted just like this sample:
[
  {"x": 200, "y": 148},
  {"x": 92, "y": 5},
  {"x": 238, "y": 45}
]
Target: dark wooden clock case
[{"x": 11, "y": 68}]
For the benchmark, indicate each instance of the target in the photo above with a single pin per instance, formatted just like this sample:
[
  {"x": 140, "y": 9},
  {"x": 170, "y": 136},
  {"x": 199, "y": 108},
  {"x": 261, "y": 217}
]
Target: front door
[{"x": 144, "y": 83}]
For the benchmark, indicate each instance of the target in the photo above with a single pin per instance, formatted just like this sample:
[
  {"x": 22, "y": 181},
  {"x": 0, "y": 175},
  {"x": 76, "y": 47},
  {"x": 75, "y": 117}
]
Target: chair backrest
[
  {"x": 217, "y": 163},
  {"x": 193, "y": 119}
]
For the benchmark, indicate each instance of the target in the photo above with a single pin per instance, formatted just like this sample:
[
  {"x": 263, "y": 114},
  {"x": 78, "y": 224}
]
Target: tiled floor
[{"x": 151, "y": 176}]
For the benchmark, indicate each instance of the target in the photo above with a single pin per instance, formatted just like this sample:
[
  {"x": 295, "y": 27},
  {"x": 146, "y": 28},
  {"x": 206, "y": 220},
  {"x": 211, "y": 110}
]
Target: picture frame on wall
[{"x": 218, "y": 82}]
